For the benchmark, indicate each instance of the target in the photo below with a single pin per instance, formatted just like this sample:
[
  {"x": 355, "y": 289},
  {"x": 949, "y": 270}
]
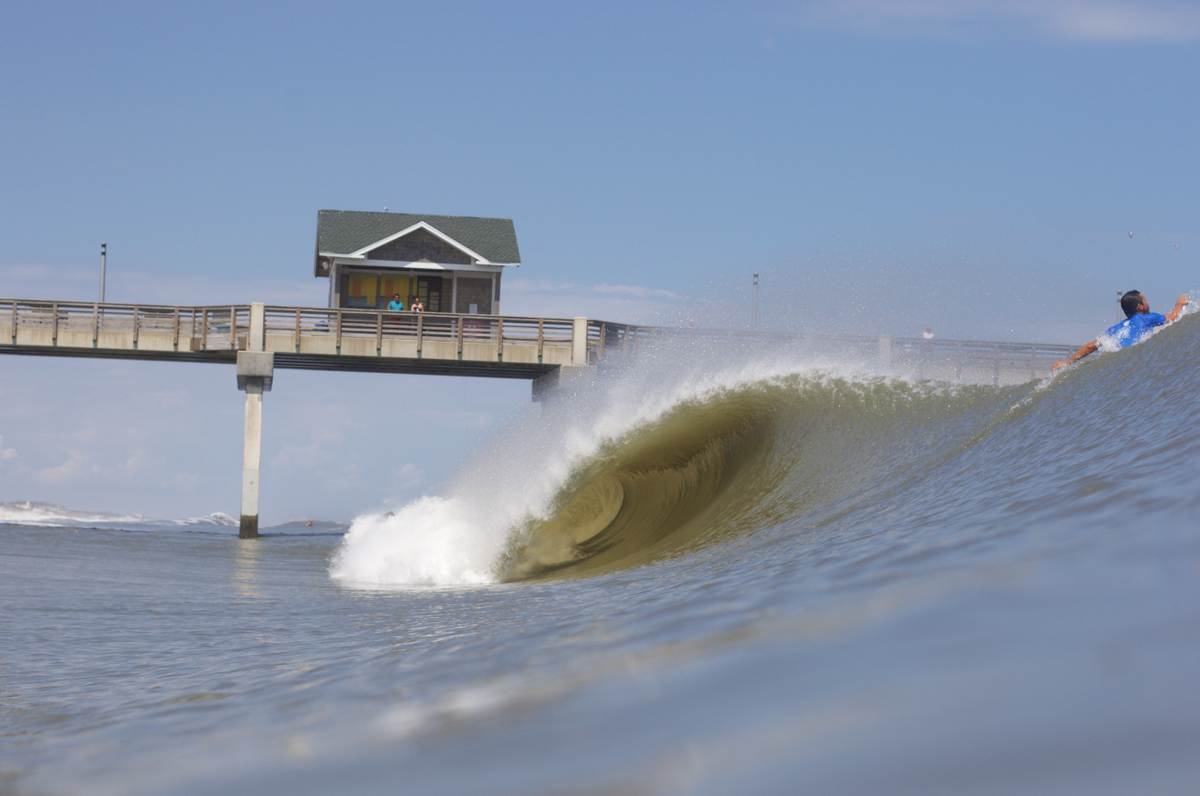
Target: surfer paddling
[{"x": 1139, "y": 320}]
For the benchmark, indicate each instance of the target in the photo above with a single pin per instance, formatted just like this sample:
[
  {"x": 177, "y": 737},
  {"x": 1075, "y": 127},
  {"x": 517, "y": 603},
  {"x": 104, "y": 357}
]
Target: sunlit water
[{"x": 777, "y": 574}]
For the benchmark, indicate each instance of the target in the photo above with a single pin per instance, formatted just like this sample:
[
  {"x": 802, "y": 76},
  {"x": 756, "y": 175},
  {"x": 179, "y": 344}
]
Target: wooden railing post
[
  {"x": 420, "y": 332},
  {"x": 297, "y": 339},
  {"x": 135, "y": 326},
  {"x": 499, "y": 339}
]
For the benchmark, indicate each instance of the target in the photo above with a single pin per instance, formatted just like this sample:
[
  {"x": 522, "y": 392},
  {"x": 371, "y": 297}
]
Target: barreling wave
[{"x": 667, "y": 459}]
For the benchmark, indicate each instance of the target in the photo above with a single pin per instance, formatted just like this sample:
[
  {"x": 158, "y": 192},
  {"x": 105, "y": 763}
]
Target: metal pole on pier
[
  {"x": 754, "y": 311},
  {"x": 103, "y": 255}
]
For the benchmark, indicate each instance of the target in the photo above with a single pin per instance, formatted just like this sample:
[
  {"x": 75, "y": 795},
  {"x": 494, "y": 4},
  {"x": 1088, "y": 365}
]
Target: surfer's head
[{"x": 1133, "y": 303}]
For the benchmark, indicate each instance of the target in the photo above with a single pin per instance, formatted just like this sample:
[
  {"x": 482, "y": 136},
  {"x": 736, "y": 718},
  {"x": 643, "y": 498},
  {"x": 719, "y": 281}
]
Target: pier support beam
[
  {"x": 251, "y": 453},
  {"x": 255, "y": 373}
]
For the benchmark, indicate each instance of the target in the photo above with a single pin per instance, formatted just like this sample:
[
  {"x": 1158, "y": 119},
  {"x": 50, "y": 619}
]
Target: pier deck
[{"x": 307, "y": 338}]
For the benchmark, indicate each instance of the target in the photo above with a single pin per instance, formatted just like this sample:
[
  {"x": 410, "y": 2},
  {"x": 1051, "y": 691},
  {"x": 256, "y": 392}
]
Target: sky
[{"x": 883, "y": 165}]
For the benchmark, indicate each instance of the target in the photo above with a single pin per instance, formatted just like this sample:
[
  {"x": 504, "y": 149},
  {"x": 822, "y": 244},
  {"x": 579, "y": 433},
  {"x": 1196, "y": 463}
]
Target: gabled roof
[{"x": 350, "y": 232}]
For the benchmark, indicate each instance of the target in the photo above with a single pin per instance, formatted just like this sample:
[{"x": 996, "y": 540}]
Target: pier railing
[
  {"x": 224, "y": 327},
  {"x": 420, "y": 327}
]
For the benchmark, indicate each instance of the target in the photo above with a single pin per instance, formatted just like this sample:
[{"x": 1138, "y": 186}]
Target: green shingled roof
[{"x": 347, "y": 231}]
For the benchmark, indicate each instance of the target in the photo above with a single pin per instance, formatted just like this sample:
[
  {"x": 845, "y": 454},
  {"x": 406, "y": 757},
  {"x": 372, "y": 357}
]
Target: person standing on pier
[
  {"x": 1139, "y": 320},
  {"x": 396, "y": 304},
  {"x": 417, "y": 306}
]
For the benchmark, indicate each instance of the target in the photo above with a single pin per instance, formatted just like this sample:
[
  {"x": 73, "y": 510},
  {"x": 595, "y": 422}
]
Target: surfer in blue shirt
[{"x": 1139, "y": 320}]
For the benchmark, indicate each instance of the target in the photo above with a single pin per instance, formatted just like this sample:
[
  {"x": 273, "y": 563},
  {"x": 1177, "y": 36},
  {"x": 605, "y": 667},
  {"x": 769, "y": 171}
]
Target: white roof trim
[
  {"x": 418, "y": 265},
  {"x": 421, "y": 225}
]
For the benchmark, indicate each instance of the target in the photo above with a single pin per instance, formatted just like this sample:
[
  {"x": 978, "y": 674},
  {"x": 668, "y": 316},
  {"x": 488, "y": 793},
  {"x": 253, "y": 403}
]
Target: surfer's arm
[
  {"x": 1174, "y": 314},
  {"x": 1084, "y": 350}
]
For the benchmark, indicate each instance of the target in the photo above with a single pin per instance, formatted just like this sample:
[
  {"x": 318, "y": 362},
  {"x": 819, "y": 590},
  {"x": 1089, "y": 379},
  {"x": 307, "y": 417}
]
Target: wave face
[{"x": 687, "y": 449}]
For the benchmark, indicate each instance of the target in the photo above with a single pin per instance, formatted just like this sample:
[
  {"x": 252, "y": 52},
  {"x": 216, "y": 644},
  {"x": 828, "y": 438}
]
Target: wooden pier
[{"x": 308, "y": 338}]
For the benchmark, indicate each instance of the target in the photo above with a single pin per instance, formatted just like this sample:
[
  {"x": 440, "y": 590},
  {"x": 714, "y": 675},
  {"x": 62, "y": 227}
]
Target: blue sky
[{"x": 883, "y": 165}]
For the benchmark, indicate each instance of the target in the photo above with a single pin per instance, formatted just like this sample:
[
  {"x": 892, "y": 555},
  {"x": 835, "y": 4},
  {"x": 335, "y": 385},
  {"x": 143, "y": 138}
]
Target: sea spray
[{"x": 430, "y": 542}]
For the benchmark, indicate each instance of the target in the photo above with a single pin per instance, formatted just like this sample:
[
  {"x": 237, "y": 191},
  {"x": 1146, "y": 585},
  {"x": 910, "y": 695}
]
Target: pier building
[{"x": 452, "y": 263}]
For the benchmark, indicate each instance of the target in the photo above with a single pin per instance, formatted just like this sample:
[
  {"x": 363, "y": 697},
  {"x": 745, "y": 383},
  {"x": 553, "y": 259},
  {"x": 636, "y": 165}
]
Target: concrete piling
[{"x": 255, "y": 374}]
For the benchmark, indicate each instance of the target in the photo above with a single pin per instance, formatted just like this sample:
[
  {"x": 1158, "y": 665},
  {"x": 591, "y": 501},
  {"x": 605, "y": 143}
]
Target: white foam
[{"x": 430, "y": 542}]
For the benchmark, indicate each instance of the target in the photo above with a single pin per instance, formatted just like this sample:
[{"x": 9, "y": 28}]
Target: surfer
[{"x": 1139, "y": 320}]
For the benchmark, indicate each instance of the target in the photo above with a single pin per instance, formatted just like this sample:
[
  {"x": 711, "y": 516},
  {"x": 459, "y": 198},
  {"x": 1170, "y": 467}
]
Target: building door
[{"x": 429, "y": 288}]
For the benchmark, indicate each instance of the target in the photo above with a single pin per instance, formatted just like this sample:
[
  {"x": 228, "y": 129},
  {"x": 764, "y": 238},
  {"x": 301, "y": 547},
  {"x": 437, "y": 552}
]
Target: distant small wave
[
  {"x": 49, "y": 514},
  {"x": 32, "y": 513},
  {"x": 216, "y": 518}
]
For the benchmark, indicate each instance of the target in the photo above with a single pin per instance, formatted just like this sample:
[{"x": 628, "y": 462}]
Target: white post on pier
[
  {"x": 255, "y": 372},
  {"x": 579, "y": 333}
]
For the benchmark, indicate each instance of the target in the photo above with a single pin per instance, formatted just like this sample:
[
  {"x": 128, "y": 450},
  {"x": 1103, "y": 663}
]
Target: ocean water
[{"x": 765, "y": 573}]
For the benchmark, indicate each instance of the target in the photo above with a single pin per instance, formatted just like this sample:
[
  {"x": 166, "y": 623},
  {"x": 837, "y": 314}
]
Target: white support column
[
  {"x": 251, "y": 454},
  {"x": 255, "y": 374},
  {"x": 579, "y": 332}
]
